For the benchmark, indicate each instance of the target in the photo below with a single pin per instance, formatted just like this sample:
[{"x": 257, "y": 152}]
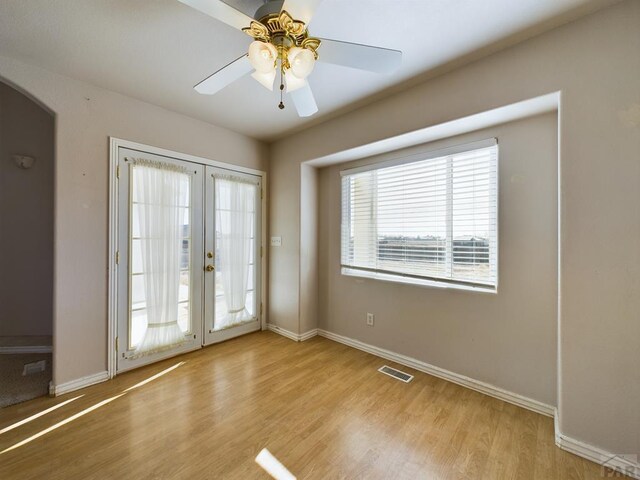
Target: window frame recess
[{"x": 429, "y": 280}]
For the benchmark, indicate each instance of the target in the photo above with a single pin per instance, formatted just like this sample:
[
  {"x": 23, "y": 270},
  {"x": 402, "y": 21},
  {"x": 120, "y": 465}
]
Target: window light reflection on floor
[
  {"x": 77, "y": 415},
  {"x": 272, "y": 466},
  {"x": 157, "y": 375},
  {"x": 38, "y": 415},
  {"x": 63, "y": 422}
]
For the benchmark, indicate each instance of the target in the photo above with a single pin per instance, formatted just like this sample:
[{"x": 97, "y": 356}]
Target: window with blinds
[{"x": 428, "y": 218}]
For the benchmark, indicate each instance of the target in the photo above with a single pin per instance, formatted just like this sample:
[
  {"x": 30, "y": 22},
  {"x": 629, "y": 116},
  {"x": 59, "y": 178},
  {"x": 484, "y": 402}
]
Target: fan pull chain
[{"x": 281, "y": 105}]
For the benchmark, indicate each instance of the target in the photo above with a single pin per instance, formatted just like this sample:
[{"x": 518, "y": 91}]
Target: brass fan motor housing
[{"x": 283, "y": 31}]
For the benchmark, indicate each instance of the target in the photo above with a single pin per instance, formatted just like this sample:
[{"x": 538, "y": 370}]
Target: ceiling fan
[{"x": 282, "y": 45}]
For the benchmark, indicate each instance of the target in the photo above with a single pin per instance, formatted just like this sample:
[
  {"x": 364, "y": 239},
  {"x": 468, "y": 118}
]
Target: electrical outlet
[{"x": 370, "y": 319}]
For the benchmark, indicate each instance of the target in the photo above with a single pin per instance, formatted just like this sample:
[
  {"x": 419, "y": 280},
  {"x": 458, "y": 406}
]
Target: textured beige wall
[
  {"x": 26, "y": 217},
  {"x": 284, "y": 285},
  {"x": 595, "y": 63},
  {"x": 485, "y": 336},
  {"x": 308, "y": 248},
  {"x": 85, "y": 118}
]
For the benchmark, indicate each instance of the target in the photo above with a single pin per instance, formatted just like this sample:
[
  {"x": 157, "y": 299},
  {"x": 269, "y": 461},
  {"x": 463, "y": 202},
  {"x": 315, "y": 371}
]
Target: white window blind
[{"x": 431, "y": 218}]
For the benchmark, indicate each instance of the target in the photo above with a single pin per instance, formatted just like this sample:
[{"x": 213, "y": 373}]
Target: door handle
[{"x": 209, "y": 268}]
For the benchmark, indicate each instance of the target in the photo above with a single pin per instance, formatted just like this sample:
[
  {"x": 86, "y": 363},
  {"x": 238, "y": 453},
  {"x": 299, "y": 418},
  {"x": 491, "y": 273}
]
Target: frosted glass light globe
[
  {"x": 293, "y": 81},
  {"x": 263, "y": 56},
  {"x": 301, "y": 61},
  {"x": 265, "y": 79}
]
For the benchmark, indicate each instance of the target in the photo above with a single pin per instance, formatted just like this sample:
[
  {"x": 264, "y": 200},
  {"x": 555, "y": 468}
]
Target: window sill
[{"x": 416, "y": 281}]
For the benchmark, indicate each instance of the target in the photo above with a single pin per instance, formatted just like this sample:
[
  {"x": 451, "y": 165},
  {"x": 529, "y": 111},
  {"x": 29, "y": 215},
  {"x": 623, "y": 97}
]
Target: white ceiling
[{"x": 156, "y": 50}]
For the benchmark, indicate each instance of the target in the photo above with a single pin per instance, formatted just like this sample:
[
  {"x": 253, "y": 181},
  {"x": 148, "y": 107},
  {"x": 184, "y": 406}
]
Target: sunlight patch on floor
[
  {"x": 60, "y": 424},
  {"x": 152, "y": 378},
  {"x": 38, "y": 415},
  {"x": 272, "y": 466},
  {"x": 79, "y": 414}
]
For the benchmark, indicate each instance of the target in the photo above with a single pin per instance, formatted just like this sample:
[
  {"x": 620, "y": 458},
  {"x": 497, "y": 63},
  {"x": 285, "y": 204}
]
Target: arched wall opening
[{"x": 27, "y": 171}]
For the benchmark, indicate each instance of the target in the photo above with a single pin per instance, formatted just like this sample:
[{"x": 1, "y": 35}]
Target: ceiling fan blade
[
  {"x": 220, "y": 11},
  {"x": 302, "y": 10},
  {"x": 363, "y": 57},
  {"x": 225, "y": 76},
  {"x": 304, "y": 102}
]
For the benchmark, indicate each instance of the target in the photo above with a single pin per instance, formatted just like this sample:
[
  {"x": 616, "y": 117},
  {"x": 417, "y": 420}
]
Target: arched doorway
[{"x": 26, "y": 246}]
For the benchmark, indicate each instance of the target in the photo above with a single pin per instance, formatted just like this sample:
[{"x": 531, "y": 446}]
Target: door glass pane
[
  {"x": 137, "y": 292},
  {"x": 160, "y": 256},
  {"x": 136, "y": 256},
  {"x": 251, "y": 304},
  {"x": 235, "y": 219},
  {"x": 183, "y": 316},
  {"x": 138, "y": 325}
]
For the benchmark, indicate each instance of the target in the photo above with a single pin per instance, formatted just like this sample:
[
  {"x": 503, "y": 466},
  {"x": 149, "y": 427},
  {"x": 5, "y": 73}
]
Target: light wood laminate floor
[{"x": 320, "y": 407}]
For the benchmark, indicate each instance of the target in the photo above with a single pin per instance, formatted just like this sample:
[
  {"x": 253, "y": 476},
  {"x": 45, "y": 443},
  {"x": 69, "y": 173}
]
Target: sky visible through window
[{"x": 434, "y": 218}]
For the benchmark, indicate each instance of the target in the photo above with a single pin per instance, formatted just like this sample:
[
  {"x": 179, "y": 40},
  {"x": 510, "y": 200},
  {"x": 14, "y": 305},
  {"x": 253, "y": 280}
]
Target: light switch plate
[{"x": 276, "y": 241}]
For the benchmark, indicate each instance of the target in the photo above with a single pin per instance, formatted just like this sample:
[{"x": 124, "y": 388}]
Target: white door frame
[{"x": 114, "y": 145}]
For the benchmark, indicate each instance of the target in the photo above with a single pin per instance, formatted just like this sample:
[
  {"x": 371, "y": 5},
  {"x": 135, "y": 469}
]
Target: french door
[
  {"x": 188, "y": 256},
  {"x": 232, "y": 244}
]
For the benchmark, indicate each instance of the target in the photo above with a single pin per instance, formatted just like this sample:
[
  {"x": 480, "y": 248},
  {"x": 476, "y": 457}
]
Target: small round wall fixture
[{"x": 23, "y": 161}]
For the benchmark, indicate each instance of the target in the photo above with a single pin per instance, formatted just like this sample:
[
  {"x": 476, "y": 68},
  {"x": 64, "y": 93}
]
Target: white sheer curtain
[
  {"x": 235, "y": 210},
  {"x": 160, "y": 187}
]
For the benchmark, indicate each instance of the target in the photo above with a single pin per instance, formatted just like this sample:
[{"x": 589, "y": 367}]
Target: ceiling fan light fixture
[
  {"x": 293, "y": 81},
  {"x": 301, "y": 61},
  {"x": 263, "y": 56},
  {"x": 281, "y": 43},
  {"x": 265, "y": 79}
]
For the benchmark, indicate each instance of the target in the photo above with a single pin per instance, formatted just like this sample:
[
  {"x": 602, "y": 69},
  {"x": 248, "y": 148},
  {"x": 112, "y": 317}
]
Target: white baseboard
[
  {"x": 486, "y": 388},
  {"x": 308, "y": 335},
  {"x": 26, "y": 349},
  {"x": 626, "y": 464},
  {"x": 283, "y": 332},
  {"x": 629, "y": 465},
  {"x": 292, "y": 336},
  {"x": 79, "y": 383}
]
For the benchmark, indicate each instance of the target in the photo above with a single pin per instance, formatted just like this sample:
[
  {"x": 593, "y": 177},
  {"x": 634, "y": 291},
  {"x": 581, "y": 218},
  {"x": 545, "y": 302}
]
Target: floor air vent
[
  {"x": 33, "y": 368},
  {"x": 392, "y": 372}
]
